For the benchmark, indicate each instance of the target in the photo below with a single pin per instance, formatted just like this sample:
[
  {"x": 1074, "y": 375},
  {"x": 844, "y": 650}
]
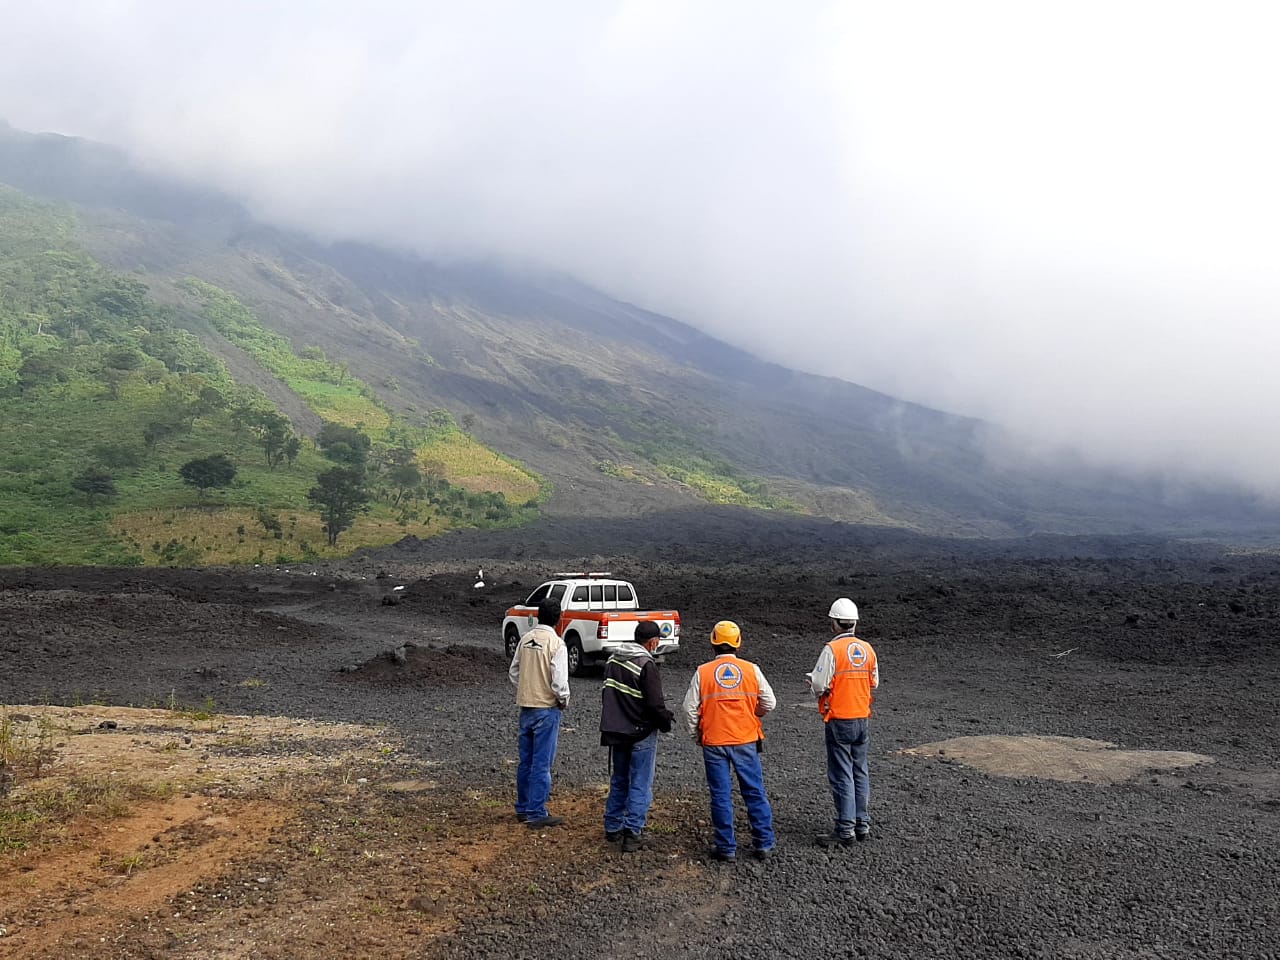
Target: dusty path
[{"x": 1171, "y": 648}]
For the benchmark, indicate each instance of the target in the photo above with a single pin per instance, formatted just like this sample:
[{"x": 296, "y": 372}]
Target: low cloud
[{"x": 1063, "y": 220}]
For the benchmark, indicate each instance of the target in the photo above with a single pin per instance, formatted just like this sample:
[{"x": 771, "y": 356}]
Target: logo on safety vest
[
  {"x": 857, "y": 654},
  {"x": 728, "y": 676},
  {"x": 665, "y": 629}
]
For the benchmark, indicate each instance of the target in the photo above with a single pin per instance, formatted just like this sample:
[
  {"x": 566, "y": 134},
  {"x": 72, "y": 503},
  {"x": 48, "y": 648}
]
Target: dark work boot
[
  {"x": 543, "y": 822},
  {"x": 834, "y": 840},
  {"x": 634, "y": 841}
]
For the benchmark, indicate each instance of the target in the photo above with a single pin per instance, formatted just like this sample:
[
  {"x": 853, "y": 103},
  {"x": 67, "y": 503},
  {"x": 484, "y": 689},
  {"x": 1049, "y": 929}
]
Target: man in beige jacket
[{"x": 540, "y": 673}]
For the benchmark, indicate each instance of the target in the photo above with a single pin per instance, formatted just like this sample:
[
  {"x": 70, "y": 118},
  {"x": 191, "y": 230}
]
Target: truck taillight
[
  {"x": 602, "y": 631},
  {"x": 675, "y": 628}
]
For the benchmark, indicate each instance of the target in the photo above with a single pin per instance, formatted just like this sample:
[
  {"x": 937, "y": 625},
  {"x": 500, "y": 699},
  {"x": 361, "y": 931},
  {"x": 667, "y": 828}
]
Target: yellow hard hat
[{"x": 726, "y": 632}]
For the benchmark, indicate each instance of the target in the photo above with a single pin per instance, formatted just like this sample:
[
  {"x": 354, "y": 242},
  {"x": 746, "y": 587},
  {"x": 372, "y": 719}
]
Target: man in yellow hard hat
[
  {"x": 843, "y": 679},
  {"x": 726, "y": 699}
]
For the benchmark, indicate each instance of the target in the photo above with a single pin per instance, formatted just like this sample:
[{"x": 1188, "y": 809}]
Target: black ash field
[{"x": 989, "y": 841}]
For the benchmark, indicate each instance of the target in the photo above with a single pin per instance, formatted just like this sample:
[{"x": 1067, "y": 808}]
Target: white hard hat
[{"x": 843, "y": 609}]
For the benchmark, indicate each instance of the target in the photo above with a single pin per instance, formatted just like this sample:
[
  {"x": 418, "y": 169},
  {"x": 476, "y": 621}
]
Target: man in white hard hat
[{"x": 843, "y": 680}]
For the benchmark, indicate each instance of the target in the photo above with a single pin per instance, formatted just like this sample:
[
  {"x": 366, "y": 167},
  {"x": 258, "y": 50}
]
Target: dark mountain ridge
[{"x": 624, "y": 410}]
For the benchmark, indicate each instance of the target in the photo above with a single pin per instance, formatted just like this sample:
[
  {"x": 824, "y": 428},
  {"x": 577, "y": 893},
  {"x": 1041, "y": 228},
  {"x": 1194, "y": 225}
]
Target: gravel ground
[{"x": 1172, "y": 647}]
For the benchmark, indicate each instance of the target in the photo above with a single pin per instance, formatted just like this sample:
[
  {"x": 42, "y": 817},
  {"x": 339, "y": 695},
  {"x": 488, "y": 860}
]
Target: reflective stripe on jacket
[
  {"x": 632, "y": 704},
  {"x": 729, "y": 692},
  {"x": 856, "y": 675}
]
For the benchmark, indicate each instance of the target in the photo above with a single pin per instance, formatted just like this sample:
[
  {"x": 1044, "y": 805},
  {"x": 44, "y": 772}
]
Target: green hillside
[
  {"x": 105, "y": 397},
  {"x": 157, "y": 313}
]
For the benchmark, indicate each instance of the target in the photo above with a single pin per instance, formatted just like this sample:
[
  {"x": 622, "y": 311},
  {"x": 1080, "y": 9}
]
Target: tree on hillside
[
  {"x": 404, "y": 478},
  {"x": 124, "y": 298},
  {"x": 399, "y": 455},
  {"x": 42, "y": 369},
  {"x": 94, "y": 482},
  {"x": 292, "y": 447},
  {"x": 339, "y": 495},
  {"x": 274, "y": 431},
  {"x": 208, "y": 473},
  {"x": 208, "y": 401},
  {"x": 343, "y": 444},
  {"x": 118, "y": 365},
  {"x": 158, "y": 430}
]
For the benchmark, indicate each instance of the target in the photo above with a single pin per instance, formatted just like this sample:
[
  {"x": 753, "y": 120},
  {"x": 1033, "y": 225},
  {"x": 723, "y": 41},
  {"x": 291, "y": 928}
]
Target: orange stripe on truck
[{"x": 569, "y": 615}]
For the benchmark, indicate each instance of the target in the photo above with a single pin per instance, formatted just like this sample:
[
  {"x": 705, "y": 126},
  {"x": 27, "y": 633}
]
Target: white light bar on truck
[{"x": 566, "y": 575}]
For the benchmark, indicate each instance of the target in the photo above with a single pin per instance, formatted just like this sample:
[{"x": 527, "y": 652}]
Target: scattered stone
[{"x": 432, "y": 908}]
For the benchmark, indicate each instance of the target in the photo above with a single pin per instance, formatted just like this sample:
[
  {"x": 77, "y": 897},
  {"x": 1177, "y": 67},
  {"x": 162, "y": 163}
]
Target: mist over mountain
[
  {"x": 621, "y": 408},
  {"x": 1056, "y": 219}
]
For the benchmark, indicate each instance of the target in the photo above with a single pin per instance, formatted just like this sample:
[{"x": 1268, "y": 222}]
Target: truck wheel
[
  {"x": 577, "y": 661},
  {"x": 513, "y": 639}
]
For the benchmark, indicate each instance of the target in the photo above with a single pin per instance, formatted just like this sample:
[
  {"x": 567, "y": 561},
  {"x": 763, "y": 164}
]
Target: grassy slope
[
  {"x": 647, "y": 444},
  {"x": 64, "y": 321}
]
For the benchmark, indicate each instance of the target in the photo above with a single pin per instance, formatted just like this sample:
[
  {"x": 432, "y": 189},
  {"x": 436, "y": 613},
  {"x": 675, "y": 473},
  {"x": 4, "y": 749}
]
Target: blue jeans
[
  {"x": 744, "y": 760},
  {"x": 847, "y": 772},
  {"x": 539, "y": 731},
  {"x": 631, "y": 786}
]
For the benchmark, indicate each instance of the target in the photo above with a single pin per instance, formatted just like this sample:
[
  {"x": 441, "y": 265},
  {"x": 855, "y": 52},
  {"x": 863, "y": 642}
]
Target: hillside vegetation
[
  {"x": 127, "y": 441},
  {"x": 625, "y": 410}
]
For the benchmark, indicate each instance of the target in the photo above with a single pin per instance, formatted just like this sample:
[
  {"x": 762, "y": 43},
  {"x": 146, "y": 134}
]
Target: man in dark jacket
[{"x": 632, "y": 712}]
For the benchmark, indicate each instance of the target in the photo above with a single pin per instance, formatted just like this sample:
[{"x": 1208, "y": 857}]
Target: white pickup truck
[{"x": 599, "y": 614}]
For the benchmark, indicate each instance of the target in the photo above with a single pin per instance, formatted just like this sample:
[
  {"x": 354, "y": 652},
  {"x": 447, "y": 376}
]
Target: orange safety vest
[
  {"x": 850, "y": 696},
  {"x": 729, "y": 692}
]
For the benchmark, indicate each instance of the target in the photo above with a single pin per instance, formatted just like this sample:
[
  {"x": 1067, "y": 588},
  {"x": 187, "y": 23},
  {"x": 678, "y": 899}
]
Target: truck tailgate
[{"x": 622, "y": 623}]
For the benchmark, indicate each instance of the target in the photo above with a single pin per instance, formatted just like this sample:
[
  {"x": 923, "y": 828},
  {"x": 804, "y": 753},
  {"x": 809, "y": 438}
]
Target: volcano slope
[{"x": 1074, "y": 753}]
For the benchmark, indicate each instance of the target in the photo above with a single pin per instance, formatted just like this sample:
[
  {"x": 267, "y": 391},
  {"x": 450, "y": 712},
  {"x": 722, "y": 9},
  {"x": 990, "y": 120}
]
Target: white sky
[{"x": 1063, "y": 217}]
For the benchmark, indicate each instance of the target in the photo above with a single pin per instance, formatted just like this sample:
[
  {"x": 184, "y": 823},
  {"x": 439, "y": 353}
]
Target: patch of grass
[
  {"x": 325, "y": 384},
  {"x": 621, "y": 471},
  {"x": 26, "y": 747},
  {"x": 131, "y": 862},
  {"x": 207, "y": 711},
  {"x": 237, "y": 741},
  {"x": 474, "y": 466},
  {"x": 681, "y": 452},
  {"x": 339, "y": 404},
  {"x": 39, "y": 811},
  {"x": 208, "y": 536}
]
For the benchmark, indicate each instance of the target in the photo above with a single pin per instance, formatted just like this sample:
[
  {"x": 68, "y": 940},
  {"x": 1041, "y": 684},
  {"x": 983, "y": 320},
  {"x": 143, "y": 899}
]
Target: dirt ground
[{"x": 1075, "y": 753}]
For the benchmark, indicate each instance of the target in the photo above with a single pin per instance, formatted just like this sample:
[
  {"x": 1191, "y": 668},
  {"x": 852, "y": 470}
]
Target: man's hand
[{"x": 562, "y": 705}]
